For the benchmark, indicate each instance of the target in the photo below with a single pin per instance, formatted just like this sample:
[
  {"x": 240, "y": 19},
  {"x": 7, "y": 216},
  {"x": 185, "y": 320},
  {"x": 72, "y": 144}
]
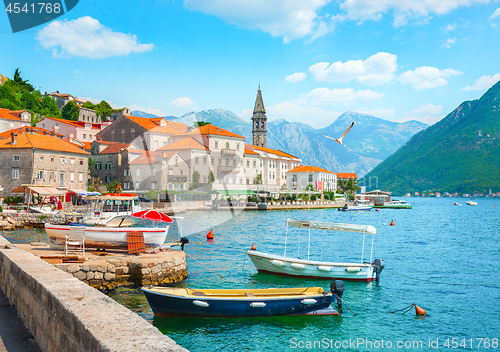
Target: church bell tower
[{"x": 259, "y": 122}]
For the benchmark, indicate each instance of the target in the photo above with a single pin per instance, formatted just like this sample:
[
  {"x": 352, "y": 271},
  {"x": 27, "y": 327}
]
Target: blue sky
[{"x": 395, "y": 59}]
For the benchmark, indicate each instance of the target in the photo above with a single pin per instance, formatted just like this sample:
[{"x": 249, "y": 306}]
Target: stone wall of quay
[
  {"x": 130, "y": 271},
  {"x": 12, "y": 221},
  {"x": 65, "y": 314}
]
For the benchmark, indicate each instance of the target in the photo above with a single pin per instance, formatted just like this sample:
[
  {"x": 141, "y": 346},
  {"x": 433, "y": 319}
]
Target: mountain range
[
  {"x": 370, "y": 141},
  {"x": 460, "y": 153}
]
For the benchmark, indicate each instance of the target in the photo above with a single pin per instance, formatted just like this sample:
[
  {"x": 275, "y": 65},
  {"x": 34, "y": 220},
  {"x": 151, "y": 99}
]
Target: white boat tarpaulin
[{"x": 332, "y": 226}]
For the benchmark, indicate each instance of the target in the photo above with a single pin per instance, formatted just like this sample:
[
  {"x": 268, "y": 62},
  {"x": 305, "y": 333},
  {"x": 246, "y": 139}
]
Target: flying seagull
[{"x": 339, "y": 140}]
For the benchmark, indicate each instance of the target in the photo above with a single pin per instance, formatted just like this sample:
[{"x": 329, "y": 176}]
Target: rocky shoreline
[{"x": 14, "y": 221}]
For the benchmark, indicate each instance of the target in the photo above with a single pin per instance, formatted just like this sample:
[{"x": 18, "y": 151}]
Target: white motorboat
[
  {"x": 102, "y": 209},
  {"x": 306, "y": 268},
  {"x": 359, "y": 205},
  {"x": 471, "y": 202},
  {"x": 394, "y": 204},
  {"x": 111, "y": 236}
]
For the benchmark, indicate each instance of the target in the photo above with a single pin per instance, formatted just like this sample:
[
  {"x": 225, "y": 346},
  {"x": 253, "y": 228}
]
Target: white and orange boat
[{"x": 111, "y": 236}]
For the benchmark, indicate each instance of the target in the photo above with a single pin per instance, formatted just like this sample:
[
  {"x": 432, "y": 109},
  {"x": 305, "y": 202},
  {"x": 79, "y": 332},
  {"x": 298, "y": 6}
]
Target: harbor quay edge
[{"x": 65, "y": 314}]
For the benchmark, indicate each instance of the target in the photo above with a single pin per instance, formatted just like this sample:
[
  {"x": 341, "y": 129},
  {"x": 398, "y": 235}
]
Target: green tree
[
  {"x": 309, "y": 187},
  {"x": 211, "y": 177},
  {"x": 196, "y": 177},
  {"x": 103, "y": 110},
  {"x": 201, "y": 123},
  {"x": 258, "y": 179},
  {"x": 88, "y": 105},
  {"x": 30, "y": 102},
  {"x": 22, "y": 84},
  {"x": 70, "y": 111},
  {"x": 114, "y": 187},
  {"x": 348, "y": 185},
  {"x": 48, "y": 107}
]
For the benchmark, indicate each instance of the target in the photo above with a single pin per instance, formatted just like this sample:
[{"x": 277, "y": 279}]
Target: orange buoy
[
  {"x": 253, "y": 247},
  {"x": 210, "y": 235},
  {"x": 418, "y": 310},
  {"x": 392, "y": 223}
]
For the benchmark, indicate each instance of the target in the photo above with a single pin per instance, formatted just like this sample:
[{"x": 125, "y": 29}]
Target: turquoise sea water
[{"x": 442, "y": 257}]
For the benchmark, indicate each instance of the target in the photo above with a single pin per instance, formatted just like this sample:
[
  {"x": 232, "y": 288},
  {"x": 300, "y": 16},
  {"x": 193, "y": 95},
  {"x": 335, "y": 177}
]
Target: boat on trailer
[
  {"x": 319, "y": 269},
  {"x": 172, "y": 301},
  {"x": 111, "y": 236}
]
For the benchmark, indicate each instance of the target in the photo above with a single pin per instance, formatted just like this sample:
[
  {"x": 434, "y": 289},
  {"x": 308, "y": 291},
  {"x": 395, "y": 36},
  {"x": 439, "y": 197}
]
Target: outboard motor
[
  {"x": 378, "y": 266},
  {"x": 337, "y": 288},
  {"x": 184, "y": 240}
]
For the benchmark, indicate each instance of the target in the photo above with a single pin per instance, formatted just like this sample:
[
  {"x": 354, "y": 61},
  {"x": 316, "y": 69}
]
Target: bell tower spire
[{"x": 259, "y": 121}]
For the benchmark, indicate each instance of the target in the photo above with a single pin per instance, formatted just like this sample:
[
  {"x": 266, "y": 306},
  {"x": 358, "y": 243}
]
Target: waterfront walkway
[{"x": 14, "y": 337}]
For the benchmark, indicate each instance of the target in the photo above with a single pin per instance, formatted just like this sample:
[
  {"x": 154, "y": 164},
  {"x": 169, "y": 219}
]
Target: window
[
  {"x": 227, "y": 145},
  {"x": 16, "y": 158},
  {"x": 126, "y": 172},
  {"x": 248, "y": 163},
  {"x": 204, "y": 161},
  {"x": 196, "y": 160},
  {"x": 107, "y": 178},
  {"x": 43, "y": 125},
  {"x": 204, "y": 180},
  {"x": 123, "y": 131},
  {"x": 81, "y": 161},
  {"x": 108, "y": 166},
  {"x": 126, "y": 185},
  {"x": 153, "y": 185},
  {"x": 52, "y": 160},
  {"x": 80, "y": 177},
  {"x": 112, "y": 132},
  {"x": 138, "y": 172},
  {"x": 181, "y": 186},
  {"x": 52, "y": 175},
  {"x": 63, "y": 161},
  {"x": 310, "y": 178},
  {"x": 15, "y": 174},
  {"x": 137, "y": 185},
  {"x": 61, "y": 179},
  {"x": 212, "y": 160},
  {"x": 220, "y": 161},
  {"x": 181, "y": 172},
  {"x": 72, "y": 161},
  {"x": 234, "y": 162},
  {"x": 248, "y": 181},
  {"x": 40, "y": 175},
  {"x": 98, "y": 166},
  {"x": 164, "y": 143},
  {"x": 294, "y": 178},
  {"x": 216, "y": 144},
  {"x": 262, "y": 125},
  {"x": 132, "y": 130},
  {"x": 176, "y": 162},
  {"x": 72, "y": 177},
  {"x": 154, "y": 172},
  {"x": 254, "y": 163},
  {"x": 237, "y": 147},
  {"x": 227, "y": 162},
  {"x": 170, "y": 186},
  {"x": 84, "y": 136}
]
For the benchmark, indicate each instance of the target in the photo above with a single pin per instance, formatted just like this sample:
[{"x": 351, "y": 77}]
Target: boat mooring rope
[
  {"x": 347, "y": 306},
  {"x": 437, "y": 282},
  {"x": 407, "y": 309},
  {"x": 203, "y": 265}
]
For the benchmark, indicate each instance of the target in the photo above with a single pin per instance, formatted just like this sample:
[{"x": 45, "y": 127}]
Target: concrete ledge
[{"x": 64, "y": 314}]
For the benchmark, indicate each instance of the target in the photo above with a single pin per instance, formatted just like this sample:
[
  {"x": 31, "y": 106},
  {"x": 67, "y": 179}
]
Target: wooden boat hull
[
  {"x": 104, "y": 237},
  {"x": 279, "y": 265},
  {"x": 168, "y": 301}
]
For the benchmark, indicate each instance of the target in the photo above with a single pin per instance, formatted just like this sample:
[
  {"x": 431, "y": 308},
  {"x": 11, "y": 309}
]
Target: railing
[
  {"x": 172, "y": 178},
  {"x": 228, "y": 152},
  {"x": 226, "y": 169}
]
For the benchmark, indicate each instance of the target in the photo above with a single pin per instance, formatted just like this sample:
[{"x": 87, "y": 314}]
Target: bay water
[{"x": 443, "y": 257}]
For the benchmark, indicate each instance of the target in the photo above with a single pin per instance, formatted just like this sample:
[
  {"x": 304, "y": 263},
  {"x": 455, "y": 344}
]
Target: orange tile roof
[
  {"x": 142, "y": 121},
  {"x": 40, "y": 141},
  {"x": 74, "y": 123},
  {"x": 28, "y": 129},
  {"x": 346, "y": 175},
  {"x": 115, "y": 148},
  {"x": 272, "y": 151},
  {"x": 213, "y": 130},
  {"x": 148, "y": 157},
  {"x": 307, "y": 168},
  {"x": 250, "y": 151},
  {"x": 5, "y": 114},
  {"x": 183, "y": 144}
]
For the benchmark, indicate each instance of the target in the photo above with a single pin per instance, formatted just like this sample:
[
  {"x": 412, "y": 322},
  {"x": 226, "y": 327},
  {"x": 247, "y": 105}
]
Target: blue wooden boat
[{"x": 172, "y": 301}]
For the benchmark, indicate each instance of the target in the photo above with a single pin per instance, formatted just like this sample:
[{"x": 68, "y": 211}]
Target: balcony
[
  {"x": 227, "y": 169},
  {"x": 227, "y": 152},
  {"x": 179, "y": 179}
]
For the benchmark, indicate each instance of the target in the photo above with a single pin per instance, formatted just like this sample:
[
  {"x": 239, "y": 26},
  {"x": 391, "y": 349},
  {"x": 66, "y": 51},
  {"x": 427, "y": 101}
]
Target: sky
[{"x": 398, "y": 60}]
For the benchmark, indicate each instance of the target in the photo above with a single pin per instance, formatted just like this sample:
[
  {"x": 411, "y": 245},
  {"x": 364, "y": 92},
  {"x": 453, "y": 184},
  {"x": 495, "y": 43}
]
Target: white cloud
[
  {"x": 382, "y": 113},
  {"x": 312, "y": 115},
  {"x": 182, "y": 102},
  {"x": 375, "y": 70},
  {"x": 296, "y": 77},
  {"x": 427, "y": 77},
  {"x": 402, "y": 10},
  {"x": 451, "y": 27},
  {"x": 290, "y": 19},
  {"x": 495, "y": 14},
  {"x": 449, "y": 42},
  {"x": 484, "y": 82},
  {"x": 325, "y": 96},
  {"x": 87, "y": 37},
  {"x": 429, "y": 109}
]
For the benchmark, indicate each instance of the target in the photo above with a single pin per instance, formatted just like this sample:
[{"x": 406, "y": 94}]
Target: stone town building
[
  {"x": 82, "y": 131},
  {"x": 117, "y": 113},
  {"x": 10, "y": 119},
  {"x": 162, "y": 170},
  {"x": 147, "y": 134},
  {"x": 111, "y": 160},
  {"x": 303, "y": 175},
  {"x": 259, "y": 122},
  {"x": 38, "y": 157},
  {"x": 86, "y": 115}
]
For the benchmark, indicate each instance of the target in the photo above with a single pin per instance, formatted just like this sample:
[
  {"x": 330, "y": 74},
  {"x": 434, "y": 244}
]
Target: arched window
[
  {"x": 262, "y": 124},
  {"x": 257, "y": 125},
  {"x": 227, "y": 145}
]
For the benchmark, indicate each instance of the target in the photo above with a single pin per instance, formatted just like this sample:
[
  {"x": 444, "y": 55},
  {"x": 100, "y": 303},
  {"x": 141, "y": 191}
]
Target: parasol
[{"x": 152, "y": 215}]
